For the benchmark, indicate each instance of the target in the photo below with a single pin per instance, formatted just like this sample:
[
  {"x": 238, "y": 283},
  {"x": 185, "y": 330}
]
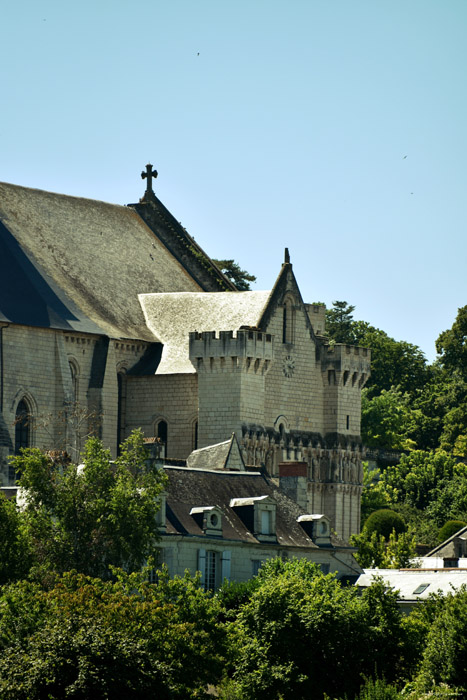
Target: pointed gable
[{"x": 225, "y": 455}]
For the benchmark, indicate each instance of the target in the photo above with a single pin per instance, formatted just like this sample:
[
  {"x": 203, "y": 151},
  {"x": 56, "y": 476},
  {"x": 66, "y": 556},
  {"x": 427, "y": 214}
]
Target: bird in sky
[{"x": 404, "y": 157}]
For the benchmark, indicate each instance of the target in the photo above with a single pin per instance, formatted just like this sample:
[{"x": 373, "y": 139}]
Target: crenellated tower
[
  {"x": 344, "y": 371},
  {"x": 231, "y": 370}
]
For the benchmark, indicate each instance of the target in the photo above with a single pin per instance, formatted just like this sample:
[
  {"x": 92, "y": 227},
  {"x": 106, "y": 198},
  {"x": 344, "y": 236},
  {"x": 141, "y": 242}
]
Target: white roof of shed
[{"x": 407, "y": 581}]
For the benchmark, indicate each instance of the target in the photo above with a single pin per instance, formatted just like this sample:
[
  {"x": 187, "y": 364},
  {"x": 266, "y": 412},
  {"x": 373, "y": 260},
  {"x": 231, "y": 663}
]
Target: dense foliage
[
  {"x": 88, "y": 517},
  {"x": 419, "y": 410},
  {"x": 291, "y": 633}
]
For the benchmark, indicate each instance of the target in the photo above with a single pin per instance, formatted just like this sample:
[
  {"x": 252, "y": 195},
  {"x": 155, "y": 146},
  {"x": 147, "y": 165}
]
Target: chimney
[{"x": 293, "y": 481}]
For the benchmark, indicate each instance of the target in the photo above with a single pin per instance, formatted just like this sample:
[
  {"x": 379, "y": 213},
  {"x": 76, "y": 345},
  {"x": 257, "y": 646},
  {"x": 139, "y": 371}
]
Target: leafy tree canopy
[
  {"x": 86, "y": 638},
  {"x": 91, "y": 517},
  {"x": 296, "y": 609},
  {"x": 15, "y": 553},
  {"x": 452, "y": 344},
  {"x": 232, "y": 270}
]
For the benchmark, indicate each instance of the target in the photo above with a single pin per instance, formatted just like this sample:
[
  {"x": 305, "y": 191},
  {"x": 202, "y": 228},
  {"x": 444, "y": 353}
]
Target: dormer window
[
  {"x": 258, "y": 514},
  {"x": 209, "y": 519},
  {"x": 317, "y": 527}
]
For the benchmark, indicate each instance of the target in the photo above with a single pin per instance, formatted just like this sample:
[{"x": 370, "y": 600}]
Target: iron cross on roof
[{"x": 149, "y": 174}]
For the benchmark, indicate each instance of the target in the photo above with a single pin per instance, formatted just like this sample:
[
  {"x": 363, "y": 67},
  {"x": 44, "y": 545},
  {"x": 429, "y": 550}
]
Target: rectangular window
[
  {"x": 266, "y": 522},
  {"x": 211, "y": 571},
  {"x": 255, "y": 566}
]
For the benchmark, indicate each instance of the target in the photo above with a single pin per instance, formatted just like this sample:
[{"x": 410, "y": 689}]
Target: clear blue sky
[{"x": 336, "y": 128}]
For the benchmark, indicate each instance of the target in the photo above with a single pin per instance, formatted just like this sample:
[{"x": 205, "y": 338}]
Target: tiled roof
[
  {"x": 216, "y": 311},
  {"x": 79, "y": 264}
]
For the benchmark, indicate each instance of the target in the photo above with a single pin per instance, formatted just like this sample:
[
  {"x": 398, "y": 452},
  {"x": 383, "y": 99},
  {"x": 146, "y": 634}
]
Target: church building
[{"x": 113, "y": 318}]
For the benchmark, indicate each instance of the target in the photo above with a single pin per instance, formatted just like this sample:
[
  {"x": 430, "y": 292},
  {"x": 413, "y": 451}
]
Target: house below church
[
  {"x": 221, "y": 519},
  {"x": 112, "y": 318}
]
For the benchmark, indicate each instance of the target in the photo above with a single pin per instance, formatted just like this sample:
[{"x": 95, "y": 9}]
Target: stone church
[{"x": 112, "y": 318}]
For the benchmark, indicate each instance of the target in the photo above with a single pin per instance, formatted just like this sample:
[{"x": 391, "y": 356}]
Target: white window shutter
[
  {"x": 225, "y": 565},
  {"x": 202, "y": 565}
]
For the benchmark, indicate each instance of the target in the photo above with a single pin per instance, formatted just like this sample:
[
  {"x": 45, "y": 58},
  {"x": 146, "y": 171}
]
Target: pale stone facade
[{"x": 113, "y": 318}]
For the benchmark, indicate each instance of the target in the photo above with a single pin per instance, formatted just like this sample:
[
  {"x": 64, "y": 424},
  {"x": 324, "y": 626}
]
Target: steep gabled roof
[
  {"x": 224, "y": 455},
  {"x": 73, "y": 263},
  {"x": 217, "y": 311}
]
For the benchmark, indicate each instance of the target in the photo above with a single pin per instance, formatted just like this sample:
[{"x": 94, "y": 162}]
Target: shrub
[
  {"x": 384, "y": 521},
  {"x": 450, "y": 528}
]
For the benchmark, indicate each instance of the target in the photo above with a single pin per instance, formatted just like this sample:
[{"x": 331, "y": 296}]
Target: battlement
[
  {"x": 244, "y": 348},
  {"x": 346, "y": 365}
]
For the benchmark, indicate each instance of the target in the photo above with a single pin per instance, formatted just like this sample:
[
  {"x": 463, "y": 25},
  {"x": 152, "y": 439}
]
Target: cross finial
[{"x": 148, "y": 175}]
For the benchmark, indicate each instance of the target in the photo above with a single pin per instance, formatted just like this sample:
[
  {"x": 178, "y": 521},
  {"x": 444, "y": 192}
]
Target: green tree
[
  {"x": 385, "y": 419},
  {"x": 417, "y": 478},
  {"x": 340, "y": 323},
  {"x": 94, "y": 517},
  {"x": 303, "y": 635},
  {"x": 15, "y": 553},
  {"x": 128, "y": 639},
  {"x": 232, "y": 270},
  {"x": 445, "y": 656},
  {"x": 450, "y": 528},
  {"x": 452, "y": 344},
  {"x": 375, "y": 551},
  {"x": 373, "y": 496}
]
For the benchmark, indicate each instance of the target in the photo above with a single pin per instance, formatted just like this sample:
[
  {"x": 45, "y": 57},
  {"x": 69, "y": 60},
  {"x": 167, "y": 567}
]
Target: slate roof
[
  {"x": 216, "y": 311},
  {"x": 79, "y": 264},
  {"x": 194, "y": 488},
  {"x": 217, "y": 456}
]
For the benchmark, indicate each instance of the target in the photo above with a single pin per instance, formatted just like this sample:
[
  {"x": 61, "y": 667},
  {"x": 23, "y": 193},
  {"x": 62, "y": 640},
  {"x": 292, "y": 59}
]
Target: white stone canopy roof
[{"x": 171, "y": 317}]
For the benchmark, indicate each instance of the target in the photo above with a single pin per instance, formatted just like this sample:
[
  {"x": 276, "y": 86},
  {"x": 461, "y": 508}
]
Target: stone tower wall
[{"x": 231, "y": 374}]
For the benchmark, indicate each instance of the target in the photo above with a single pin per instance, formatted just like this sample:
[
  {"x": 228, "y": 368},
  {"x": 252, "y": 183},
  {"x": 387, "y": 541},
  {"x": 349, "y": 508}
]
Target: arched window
[
  {"x": 162, "y": 433},
  {"x": 22, "y": 426},
  {"x": 121, "y": 408},
  {"x": 74, "y": 380},
  {"x": 288, "y": 321}
]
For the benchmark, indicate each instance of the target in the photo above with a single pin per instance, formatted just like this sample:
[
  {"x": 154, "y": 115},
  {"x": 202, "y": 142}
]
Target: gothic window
[
  {"x": 22, "y": 426},
  {"x": 74, "y": 380},
  {"x": 162, "y": 433},
  {"x": 288, "y": 321},
  {"x": 121, "y": 408}
]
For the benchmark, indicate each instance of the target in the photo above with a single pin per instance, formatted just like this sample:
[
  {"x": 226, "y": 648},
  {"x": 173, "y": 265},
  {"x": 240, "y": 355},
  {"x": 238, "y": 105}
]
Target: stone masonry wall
[{"x": 169, "y": 397}]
